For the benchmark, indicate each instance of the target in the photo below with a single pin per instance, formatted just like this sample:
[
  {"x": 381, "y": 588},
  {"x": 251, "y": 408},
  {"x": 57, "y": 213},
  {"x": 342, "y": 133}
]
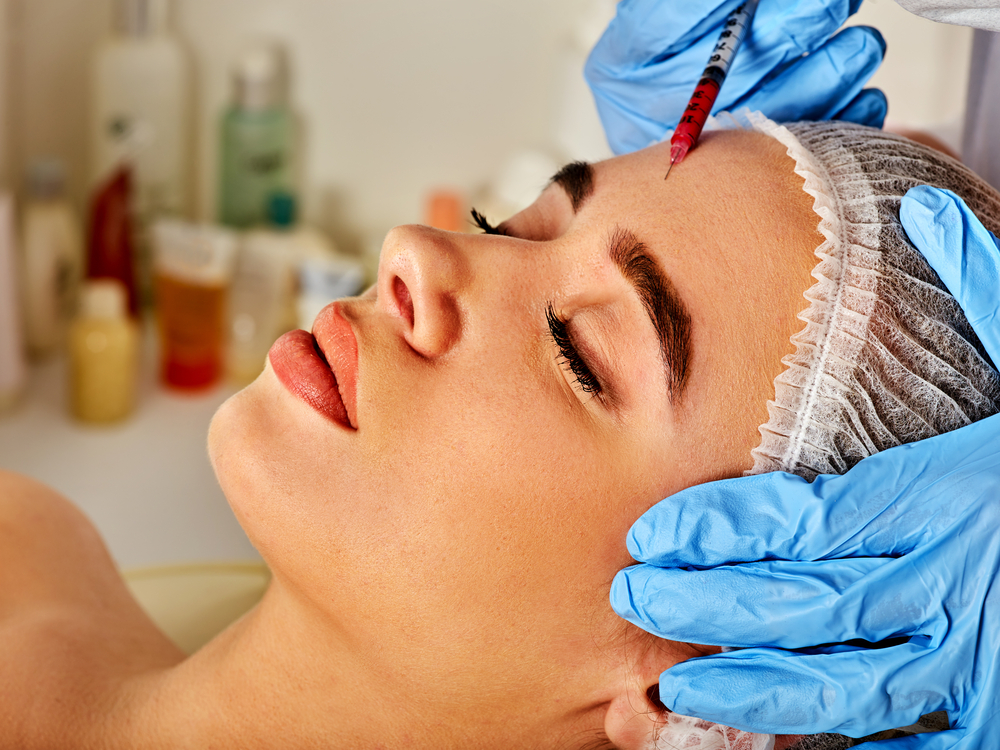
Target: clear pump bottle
[{"x": 262, "y": 303}]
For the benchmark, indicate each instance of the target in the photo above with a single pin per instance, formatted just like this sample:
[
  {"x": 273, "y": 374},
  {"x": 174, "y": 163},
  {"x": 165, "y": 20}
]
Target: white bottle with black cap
[{"x": 141, "y": 113}]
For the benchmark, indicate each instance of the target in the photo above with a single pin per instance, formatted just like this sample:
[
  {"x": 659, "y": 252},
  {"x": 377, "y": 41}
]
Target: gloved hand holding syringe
[{"x": 793, "y": 65}]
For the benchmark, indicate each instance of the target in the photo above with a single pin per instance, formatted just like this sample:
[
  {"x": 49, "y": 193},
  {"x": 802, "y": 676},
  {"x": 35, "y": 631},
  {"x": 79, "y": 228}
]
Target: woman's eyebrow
[
  {"x": 577, "y": 179},
  {"x": 664, "y": 306}
]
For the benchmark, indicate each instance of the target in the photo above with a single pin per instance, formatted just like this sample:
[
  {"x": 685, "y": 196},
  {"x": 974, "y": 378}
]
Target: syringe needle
[{"x": 679, "y": 145}]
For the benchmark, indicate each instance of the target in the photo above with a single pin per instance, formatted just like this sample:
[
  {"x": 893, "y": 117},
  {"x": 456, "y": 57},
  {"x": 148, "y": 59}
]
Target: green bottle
[{"x": 258, "y": 139}]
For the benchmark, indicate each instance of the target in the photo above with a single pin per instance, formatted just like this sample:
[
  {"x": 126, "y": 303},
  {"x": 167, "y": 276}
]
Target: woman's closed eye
[
  {"x": 483, "y": 223},
  {"x": 569, "y": 355}
]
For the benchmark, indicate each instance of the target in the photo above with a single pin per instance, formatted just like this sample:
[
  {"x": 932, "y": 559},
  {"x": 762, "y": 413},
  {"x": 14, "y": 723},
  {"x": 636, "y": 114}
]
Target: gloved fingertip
[
  {"x": 934, "y": 199},
  {"x": 877, "y": 107},
  {"x": 621, "y": 596},
  {"x": 637, "y": 538},
  {"x": 877, "y": 35},
  {"x": 945, "y": 208},
  {"x": 858, "y": 48},
  {"x": 684, "y": 696},
  {"x": 668, "y": 690},
  {"x": 863, "y": 36},
  {"x": 867, "y": 108},
  {"x": 927, "y": 213}
]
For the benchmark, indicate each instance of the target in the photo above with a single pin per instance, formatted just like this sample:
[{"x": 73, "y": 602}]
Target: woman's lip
[
  {"x": 336, "y": 339},
  {"x": 322, "y": 370}
]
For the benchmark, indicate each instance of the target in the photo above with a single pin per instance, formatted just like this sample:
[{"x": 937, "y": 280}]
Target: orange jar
[{"x": 193, "y": 269}]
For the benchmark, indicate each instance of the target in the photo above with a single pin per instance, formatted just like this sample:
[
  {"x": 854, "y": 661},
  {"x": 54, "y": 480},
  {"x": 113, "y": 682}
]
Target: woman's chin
[
  {"x": 264, "y": 445},
  {"x": 227, "y": 448},
  {"x": 247, "y": 454}
]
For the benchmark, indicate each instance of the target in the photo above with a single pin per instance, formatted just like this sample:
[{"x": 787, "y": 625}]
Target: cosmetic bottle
[
  {"x": 445, "y": 209},
  {"x": 321, "y": 272},
  {"x": 52, "y": 259},
  {"x": 262, "y": 300},
  {"x": 193, "y": 268},
  {"x": 517, "y": 185},
  {"x": 261, "y": 293},
  {"x": 141, "y": 113},
  {"x": 283, "y": 225},
  {"x": 323, "y": 280},
  {"x": 324, "y": 274},
  {"x": 109, "y": 250},
  {"x": 258, "y": 134},
  {"x": 103, "y": 354},
  {"x": 13, "y": 371}
]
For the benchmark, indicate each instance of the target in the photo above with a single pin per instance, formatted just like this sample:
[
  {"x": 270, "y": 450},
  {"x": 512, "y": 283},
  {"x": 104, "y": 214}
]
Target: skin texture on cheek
[{"x": 464, "y": 493}]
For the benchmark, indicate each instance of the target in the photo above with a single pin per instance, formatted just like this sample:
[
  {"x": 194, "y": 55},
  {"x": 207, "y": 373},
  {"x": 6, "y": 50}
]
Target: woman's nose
[{"x": 421, "y": 274}]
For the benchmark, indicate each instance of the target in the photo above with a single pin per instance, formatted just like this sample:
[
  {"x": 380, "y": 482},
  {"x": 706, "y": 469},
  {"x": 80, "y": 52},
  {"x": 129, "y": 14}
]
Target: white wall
[
  {"x": 50, "y": 44},
  {"x": 926, "y": 69},
  {"x": 396, "y": 96}
]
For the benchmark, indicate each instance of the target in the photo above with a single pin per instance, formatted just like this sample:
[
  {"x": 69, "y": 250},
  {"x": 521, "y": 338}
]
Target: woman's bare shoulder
[
  {"x": 70, "y": 632},
  {"x": 47, "y": 545}
]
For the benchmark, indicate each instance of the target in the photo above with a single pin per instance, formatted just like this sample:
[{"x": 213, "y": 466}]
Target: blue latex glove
[
  {"x": 792, "y": 65},
  {"x": 907, "y": 543}
]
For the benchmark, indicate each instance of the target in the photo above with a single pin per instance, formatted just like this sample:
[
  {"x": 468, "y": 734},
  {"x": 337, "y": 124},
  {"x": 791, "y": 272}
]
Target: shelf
[{"x": 146, "y": 483}]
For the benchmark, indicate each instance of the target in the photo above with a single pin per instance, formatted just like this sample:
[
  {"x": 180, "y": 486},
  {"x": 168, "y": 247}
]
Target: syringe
[{"x": 707, "y": 91}]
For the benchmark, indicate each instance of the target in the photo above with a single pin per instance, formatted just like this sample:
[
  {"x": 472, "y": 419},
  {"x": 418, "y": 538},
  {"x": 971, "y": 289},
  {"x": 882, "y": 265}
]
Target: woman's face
[{"x": 520, "y": 400}]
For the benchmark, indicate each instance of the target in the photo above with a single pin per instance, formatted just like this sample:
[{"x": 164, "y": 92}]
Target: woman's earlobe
[
  {"x": 638, "y": 720},
  {"x": 635, "y": 717}
]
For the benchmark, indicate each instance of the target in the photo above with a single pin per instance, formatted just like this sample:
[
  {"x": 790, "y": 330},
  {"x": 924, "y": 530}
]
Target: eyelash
[
  {"x": 568, "y": 353},
  {"x": 557, "y": 329},
  {"x": 480, "y": 221}
]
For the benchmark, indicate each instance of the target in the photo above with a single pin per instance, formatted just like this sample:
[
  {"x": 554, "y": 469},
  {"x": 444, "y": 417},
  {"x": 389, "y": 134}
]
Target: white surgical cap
[{"x": 886, "y": 356}]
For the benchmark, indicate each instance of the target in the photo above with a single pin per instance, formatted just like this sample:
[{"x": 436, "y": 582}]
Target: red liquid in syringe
[
  {"x": 694, "y": 119},
  {"x": 707, "y": 91}
]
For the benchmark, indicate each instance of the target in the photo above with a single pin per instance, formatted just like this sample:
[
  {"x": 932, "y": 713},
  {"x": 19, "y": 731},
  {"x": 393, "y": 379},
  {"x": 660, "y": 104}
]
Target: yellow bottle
[{"x": 103, "y": 346}]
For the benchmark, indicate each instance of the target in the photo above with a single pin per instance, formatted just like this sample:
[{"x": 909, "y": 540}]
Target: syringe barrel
[{"x": 697, "y": 111}]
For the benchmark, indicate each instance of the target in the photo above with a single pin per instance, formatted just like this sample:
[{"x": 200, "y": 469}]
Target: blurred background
[{"x": 243, "y": 159}]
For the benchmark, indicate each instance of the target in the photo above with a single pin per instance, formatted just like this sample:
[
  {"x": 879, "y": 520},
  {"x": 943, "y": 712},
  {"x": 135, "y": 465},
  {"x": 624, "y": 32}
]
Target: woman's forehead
[
  {"x": 722, "y": 161},
  {"x": 721, "y": 205}
]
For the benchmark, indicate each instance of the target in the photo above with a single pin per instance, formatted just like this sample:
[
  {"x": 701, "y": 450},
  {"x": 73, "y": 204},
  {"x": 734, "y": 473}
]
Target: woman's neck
[{"x": 278, "y": 677}]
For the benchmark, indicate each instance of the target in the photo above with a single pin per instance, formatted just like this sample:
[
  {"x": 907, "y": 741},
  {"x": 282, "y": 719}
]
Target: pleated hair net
[{"x": 886, "y": 356}]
